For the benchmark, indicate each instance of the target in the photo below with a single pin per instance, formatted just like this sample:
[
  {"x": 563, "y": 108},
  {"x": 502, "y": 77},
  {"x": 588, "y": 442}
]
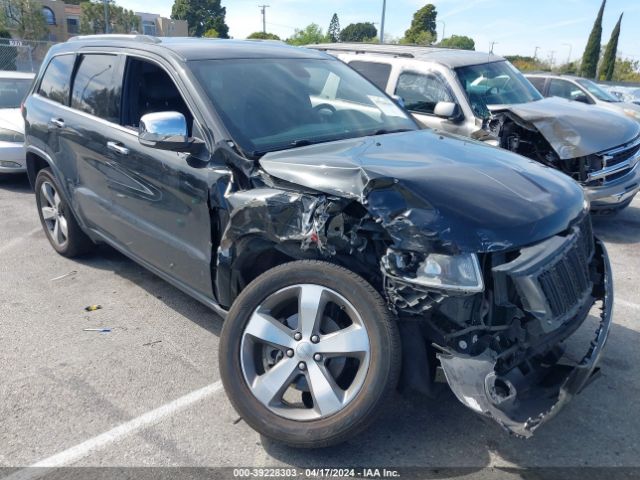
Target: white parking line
[
  {"x": 624, "y": 303},
  {"x": 120, "y": 432},
  {"x": 18, "y": 240}
]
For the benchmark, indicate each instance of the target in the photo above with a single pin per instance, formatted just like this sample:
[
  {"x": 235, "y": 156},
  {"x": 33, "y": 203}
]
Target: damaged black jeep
[{"x": 346, "y": 248}]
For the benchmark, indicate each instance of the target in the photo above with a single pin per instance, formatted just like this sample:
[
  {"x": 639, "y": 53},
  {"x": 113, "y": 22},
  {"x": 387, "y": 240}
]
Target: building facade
[{"x": 63, "y": 22}]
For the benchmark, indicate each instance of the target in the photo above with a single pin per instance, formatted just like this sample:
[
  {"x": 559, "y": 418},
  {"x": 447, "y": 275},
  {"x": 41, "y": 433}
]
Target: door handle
[
  {"x": 118, "y": 148},
  {"x": 57, "y": 122}
]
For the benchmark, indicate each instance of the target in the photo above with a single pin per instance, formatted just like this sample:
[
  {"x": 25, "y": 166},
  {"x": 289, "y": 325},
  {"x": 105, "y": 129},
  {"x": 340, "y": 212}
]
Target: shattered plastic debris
[{"x": 93, "y": 308}]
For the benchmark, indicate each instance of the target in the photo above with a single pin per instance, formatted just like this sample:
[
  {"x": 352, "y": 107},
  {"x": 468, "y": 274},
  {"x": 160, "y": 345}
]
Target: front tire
[
  {"x": 57, "y": 219},
  {"x": 308, "y": 354}
]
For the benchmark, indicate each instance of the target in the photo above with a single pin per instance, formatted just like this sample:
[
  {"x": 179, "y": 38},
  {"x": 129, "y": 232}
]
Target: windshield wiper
[{"x": 384, "y": 131}]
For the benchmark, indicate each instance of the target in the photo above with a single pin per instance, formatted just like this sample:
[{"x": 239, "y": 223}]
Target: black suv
[{"x": 346, "y": 248}]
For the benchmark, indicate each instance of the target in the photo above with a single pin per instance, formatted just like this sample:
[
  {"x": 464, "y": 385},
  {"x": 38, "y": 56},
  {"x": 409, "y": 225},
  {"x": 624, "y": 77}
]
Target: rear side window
[
  {"x": 377, "y": 73},
  {"x": 538, "y": 82},
  {"x": 97, "y": 86},
  {"x": 56, "y": 81}
]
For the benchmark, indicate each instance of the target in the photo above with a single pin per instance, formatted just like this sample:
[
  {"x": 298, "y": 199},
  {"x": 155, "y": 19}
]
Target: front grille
[
  {"x": 566, "y": 280},
  {"x": 552, "y": 278},
  {"x": 624, "y": 157}
]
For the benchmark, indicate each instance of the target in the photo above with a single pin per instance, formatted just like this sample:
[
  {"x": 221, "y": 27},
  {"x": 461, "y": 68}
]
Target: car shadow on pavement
[
  {"x": 108, "y": 258},
  {"x": 15, "y": 183},
  {"x": 598, "y": 428},
  {"x": 623, "y": 227}
]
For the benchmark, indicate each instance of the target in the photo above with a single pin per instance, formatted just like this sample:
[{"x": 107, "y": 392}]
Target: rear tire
[
  {"x": 58, "y": 221},
  {"x": 344, "y": 306}
]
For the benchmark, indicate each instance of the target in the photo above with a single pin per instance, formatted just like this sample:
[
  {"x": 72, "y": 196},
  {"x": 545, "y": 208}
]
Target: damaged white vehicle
[{"x": 484, "y": 97}]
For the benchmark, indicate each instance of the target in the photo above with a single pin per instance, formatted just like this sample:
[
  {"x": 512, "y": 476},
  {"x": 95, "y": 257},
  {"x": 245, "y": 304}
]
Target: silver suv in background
[
  {"x": 582, "y": 90},
  {"x": 484, "y": 97}
]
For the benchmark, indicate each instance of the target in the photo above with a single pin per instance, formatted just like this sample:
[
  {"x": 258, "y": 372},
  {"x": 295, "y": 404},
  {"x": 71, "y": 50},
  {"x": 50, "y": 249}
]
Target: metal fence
[{"x": 22, "y": 55}]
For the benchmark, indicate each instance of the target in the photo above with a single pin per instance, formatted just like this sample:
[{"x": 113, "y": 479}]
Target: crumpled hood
[
  {"x": 11, "y": 118},
  {"x": 431, "y": 189},
  {"x": 574, "y": 129}
]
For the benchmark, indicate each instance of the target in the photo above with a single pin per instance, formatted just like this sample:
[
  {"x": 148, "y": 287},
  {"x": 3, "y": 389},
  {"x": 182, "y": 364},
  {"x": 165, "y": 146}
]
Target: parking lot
[{"x": 152, "y": 382}]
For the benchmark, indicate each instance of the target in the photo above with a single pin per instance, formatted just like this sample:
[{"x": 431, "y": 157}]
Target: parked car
[
  {"x": 624, "y": 94},
  {"x": 582, "y": 90},
  {"x": 341, "y": 242},
  {"x": 482, "y": 96},
  {"x": 13, "y": 88}
]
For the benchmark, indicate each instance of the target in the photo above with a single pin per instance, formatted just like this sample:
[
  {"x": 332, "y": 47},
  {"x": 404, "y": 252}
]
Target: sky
[{"x": 558, "y": 27}]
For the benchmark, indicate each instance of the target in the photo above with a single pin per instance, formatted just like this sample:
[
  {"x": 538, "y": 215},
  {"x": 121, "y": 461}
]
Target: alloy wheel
[
  {"x": 53, "y": 215},
  {"x": 305, "y": 352}
]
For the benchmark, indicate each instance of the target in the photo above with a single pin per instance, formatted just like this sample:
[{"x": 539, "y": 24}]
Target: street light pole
[
  {"x": 535, "y": 53},
  {"x": 492, "y": 44},
  {"x": 570, "y": 50},
  {"x": 443, "y": 26},
  {"x": 106, "y": 16},
  {"x": 384, "y": 8}
]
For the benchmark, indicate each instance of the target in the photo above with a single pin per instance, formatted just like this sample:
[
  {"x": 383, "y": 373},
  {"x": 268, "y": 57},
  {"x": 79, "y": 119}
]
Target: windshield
[
  {"x": 498, "y": 83},
  {"x": 275, "y": 104},
  {"x": 13, "y": 91},
  {"x": 598, "y": 92}
]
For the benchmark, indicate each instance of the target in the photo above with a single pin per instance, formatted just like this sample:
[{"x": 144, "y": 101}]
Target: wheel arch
[{"x": 36, "y": 161}]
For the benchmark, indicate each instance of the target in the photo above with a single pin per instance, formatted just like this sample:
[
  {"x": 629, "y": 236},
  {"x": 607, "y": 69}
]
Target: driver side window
[
  {"x": 564, "y": 89},
  {"x": 421, "y": 92}
]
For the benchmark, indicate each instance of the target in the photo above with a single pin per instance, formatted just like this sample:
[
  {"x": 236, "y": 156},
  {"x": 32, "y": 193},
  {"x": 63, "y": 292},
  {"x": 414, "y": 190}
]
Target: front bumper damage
[{"x": 520, "y": 404}]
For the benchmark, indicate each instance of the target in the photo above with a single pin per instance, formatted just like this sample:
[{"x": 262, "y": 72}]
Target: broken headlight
[{"x": 451, "y": 272}]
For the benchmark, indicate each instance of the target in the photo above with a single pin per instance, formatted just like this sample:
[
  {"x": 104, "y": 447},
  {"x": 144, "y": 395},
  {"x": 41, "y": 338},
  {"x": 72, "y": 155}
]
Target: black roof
[{"x": 189, "y": 48}]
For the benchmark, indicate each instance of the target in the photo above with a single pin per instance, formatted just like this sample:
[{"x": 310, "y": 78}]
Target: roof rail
[
  {"x": 116, "y": 36},
  {"x": 361, "y": 49}
]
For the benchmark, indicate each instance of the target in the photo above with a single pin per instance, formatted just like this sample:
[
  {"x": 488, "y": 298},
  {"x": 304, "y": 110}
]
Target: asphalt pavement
[{"x": 147, "y": 393}]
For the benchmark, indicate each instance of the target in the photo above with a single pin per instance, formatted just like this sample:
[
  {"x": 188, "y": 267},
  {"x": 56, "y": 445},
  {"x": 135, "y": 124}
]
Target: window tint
[
  {"x": 421, "y": 92},
  {"x": 97, "y": 86},
  {"x": 564, "y": 89},
  {"x": 377, "y": 73},
  {"x": 57, "y": 79},
  {"x": 537, "y": 82}
]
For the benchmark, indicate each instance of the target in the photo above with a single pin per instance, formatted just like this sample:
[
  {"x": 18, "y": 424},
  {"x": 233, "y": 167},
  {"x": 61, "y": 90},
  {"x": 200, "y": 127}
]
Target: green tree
[
  {"x": 121, "y": 20},
  {"x": 310, "y": 34},
  {"x": 424, "y": 20},
  {"x": 592, "y": 51},
  {"x": 610, "y": 54},
  {"x": 334, "y": 29},
  {"x": 458, "y": 41},
  {"x": 211, "y": 33},
  {"x": 8, "y": 54},
  {"x": 358, "y": 32},
  {"x": 264, "y": 36},
  {"x": 626, "y": 70},
  {"x": 201, "y": 15},
  {"x": 25, "y": 16}
]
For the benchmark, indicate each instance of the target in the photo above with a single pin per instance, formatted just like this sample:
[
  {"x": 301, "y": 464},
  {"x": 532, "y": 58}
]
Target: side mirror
[
  {"x": 447, "y": 110},
  {"x": 398, "y": 99},
  {"x": 582, "y": 99},
  {"x": 164, "y": 131}
]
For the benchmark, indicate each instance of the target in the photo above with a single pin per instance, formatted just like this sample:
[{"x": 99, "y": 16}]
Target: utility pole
[
  {"x": 263, "y": 10},
  {"x": 384, "y": 8},
  {"x": 106, "y": 16}
]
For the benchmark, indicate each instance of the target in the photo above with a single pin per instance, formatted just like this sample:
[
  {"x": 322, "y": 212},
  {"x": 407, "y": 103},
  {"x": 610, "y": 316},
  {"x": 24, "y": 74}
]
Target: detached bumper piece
[{"x": 525, "y": 396}]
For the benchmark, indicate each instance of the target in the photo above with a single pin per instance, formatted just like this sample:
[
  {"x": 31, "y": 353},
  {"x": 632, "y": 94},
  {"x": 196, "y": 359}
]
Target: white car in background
[{"x": 13, "y": 88}]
